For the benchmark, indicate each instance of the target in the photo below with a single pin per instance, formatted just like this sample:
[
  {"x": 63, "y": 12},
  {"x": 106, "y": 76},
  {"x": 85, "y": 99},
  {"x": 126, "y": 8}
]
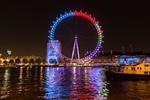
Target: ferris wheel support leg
[
  {"x": 77, "y": 49},
  {"x": 73, "y": 51}
]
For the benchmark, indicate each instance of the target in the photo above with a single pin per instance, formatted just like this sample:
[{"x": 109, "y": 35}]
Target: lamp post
[
  {"x": 0, "y": 55},
  {"x": 9, "y": 52}
]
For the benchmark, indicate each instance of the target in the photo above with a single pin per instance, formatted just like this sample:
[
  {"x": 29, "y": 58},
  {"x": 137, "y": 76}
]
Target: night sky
[{"x": 24, "y": 25}]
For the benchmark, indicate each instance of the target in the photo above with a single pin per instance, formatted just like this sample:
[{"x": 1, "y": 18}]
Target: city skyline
[{"x": 25, "y": 24}]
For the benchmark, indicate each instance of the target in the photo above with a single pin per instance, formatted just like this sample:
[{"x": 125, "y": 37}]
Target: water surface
[{"x": 73, "y": 83}]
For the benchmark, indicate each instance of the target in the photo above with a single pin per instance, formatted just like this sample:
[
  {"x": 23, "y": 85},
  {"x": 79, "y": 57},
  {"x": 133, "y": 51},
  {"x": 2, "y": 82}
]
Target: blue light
[
  {"x": 53, "y": 51},
  {"x": 128, "y": 59},
  {"x": 147, "y": 59},
  {"x": 56, "y": 23}
]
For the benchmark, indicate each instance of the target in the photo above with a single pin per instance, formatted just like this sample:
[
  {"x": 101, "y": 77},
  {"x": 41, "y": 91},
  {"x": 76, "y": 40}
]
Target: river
[{"x": 68, "y": 83}]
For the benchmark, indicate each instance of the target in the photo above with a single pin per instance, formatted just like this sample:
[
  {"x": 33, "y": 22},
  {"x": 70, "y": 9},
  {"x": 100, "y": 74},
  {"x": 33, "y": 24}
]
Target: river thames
[{"x": 68, "y": 83}]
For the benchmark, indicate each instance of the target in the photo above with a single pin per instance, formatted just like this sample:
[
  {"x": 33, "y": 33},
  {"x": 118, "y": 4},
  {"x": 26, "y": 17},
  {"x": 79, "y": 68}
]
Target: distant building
[
  {"x": 53, "y": 51},
  {"x": 128, "y": 59}
]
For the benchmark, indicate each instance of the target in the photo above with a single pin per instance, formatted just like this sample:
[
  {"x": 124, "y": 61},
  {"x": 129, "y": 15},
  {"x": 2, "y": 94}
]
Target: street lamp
[
  {"x": 9, "y": 52},
  {"x": 0, "y": 55}
]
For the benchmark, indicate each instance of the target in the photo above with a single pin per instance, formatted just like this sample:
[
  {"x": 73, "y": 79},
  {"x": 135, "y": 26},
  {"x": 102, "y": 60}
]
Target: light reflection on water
[{"x": 73, "y": 83}]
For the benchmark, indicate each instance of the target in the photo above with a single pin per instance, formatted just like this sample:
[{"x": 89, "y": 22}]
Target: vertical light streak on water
[
  {"x": 98, "y": 81},
  {"x": 41, "y": 74},
  {"x": 20, "y": 73},
  {"x": 20, "y": 83},
  {"x": 56, "y": 85},
  {"x": 86, "y": 69},
  {"x": 74, "y": 80},
  {"x": 74, "y": 74},
  {"x": 27, "y": 72},
  {"x": 5, "y": 88},
  {"x": 49, "y": 83}
]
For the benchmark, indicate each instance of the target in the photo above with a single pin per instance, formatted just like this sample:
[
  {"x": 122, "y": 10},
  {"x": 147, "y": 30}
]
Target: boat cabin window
[
  {"x": 133, "y": 68},
  {"x": 126, "y": 68},
  {"x": 140, "y": 68},
  {"x": 145, "y": 72},
  {"x": 147, "y": 65}
]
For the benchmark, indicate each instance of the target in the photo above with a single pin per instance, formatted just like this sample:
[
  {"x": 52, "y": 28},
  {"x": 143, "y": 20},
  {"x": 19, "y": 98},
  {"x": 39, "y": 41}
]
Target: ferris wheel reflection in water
[{"x": 75, "y": 83}]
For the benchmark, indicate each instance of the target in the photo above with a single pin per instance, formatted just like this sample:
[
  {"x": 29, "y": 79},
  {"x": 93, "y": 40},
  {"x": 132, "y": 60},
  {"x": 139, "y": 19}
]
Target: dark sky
[{"x": 24, "y": 24}]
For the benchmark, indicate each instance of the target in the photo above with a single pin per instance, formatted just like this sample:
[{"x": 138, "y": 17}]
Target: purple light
[{"x": 85, "y": 16}]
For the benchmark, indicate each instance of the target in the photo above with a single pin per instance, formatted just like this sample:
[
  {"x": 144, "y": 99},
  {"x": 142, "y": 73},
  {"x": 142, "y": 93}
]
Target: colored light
[{"x": 85, "y": 16}]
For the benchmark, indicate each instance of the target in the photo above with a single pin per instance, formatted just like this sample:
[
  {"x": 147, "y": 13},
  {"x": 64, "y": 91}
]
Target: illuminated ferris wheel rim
[{"x": 82, "y": 15}]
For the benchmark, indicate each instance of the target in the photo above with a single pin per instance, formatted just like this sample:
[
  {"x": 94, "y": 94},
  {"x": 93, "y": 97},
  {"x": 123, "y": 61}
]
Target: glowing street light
[
  {"x": 0, "y": 55},
  {"x": 9, "y": 52}
]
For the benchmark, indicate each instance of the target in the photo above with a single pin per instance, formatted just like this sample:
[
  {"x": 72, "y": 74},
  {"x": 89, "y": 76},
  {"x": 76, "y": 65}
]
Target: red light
[{"x": 85, "y": 15}]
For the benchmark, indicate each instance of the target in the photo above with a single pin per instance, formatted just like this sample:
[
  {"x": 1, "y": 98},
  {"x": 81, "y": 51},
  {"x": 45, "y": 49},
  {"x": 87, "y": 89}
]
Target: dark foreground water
[{"x": 68, "y": 84}]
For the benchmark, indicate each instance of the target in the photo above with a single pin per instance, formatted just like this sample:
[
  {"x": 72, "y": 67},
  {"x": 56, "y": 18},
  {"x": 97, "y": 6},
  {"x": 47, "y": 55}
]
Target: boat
[{"x": 137, "y": 70}]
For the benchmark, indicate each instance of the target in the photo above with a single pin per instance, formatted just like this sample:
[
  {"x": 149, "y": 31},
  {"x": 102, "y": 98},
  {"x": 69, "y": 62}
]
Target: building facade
[{"x": 53, "y": 51}]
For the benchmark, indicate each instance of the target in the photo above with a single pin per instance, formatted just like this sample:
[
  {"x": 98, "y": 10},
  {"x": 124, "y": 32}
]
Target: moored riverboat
[{"x": 136, "y": 70}]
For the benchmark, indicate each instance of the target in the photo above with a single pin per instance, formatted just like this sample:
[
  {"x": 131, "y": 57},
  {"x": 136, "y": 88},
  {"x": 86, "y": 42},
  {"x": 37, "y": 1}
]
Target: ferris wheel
[{"x": 87, "y": 17}]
